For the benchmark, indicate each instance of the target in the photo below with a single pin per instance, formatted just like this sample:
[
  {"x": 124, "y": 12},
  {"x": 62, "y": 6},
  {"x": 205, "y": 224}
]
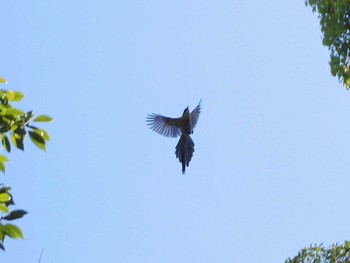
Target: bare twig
[{"x": 39, "y": 260}]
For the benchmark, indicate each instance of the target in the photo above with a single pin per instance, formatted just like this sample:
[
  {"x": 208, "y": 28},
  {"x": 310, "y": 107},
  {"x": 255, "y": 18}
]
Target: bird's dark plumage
[{"x": 173, "y": 127}]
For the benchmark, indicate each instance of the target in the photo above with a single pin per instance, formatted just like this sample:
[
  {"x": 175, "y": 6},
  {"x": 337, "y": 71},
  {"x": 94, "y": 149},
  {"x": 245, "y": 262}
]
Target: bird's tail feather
[{"x": 184, "y": 151}]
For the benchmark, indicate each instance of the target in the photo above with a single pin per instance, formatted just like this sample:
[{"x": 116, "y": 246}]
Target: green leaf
[
  {"x": 43, "y": 118},
  {"x": 5, "y": 197},
  {"x": 2, "y": 233},
  {"x": 37, "y": 139},
  {"x": 18, "y": 140},
  {"x": 33, "y": 127},
  {"x": 37, "y": 136},
  {"x": 19, "y": 130},
  {"x": 14, "y": 95},
  {"x": 2, "y": 167},
  {"x": 6, "y": 143},
  {"x": 15, "y": 215},
  {"x": 4, "y": 208},
  {"x": 28, "y": 116},
  {"x": 5, "y": 189},
  {"x": 46, "y": 136},
  {"x": 41, "y": 132},
  {"x": 12, "y": 231},
  {"x": 13, "y": 112},
  {"x": 11, "y": 202},
  {"x": 3, "y": 158},
  {"x": 3, "y": 81}
]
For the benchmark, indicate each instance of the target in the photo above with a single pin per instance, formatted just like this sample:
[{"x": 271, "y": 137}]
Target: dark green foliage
[
  {"x": 15, "y": 214},
  {"x": 335, "y": 253},
  {"x": 334, "y": 18},
  {"x": 15, "y": 124},
  {"x": 9, "y": 230}
]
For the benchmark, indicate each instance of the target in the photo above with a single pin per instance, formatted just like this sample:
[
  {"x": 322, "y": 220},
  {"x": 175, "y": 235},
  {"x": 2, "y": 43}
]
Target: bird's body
[
  {"x": 173, "y": 127},
  {"x": 184, "y": 151}
]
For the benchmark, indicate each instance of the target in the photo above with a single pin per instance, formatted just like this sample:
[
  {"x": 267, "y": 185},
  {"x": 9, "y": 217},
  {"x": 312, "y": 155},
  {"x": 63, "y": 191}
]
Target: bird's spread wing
[
  {"x": 195, "y": 114},
  {"x": 166, "y": 126}
]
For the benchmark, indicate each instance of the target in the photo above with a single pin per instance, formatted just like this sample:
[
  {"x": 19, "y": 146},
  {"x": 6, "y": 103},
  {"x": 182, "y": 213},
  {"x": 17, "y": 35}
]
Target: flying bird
[{"x": 173, "y": 127}]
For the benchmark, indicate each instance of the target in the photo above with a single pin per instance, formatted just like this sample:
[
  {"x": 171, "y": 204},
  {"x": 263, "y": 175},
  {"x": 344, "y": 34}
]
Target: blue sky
[{"x": 270, "y": 171}]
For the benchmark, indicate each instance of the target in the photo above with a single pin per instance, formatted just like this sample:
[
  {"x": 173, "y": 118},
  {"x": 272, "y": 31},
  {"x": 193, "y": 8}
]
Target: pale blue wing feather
[
  {"x": 166, "y": 126},
  {"x": 195, "y": 115}
]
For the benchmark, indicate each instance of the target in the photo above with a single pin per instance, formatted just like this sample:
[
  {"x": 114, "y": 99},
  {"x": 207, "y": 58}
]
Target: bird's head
[
  {"x": 186, "y": 111},
  {"x": 186, "y": 115}
]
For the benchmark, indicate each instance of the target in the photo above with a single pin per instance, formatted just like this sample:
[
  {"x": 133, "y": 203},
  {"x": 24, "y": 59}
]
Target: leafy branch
[
  {"x": 335, "y": 26},
  {"x": 335, "y": 253},
  {"x": 15, "y": 124}
]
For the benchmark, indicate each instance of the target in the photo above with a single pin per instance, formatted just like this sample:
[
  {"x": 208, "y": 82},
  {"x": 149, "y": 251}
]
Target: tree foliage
[
  {"x": 334, "y": 18},
  {"x": 320, "y": 254},
  {"x": 15, "y": 125}
]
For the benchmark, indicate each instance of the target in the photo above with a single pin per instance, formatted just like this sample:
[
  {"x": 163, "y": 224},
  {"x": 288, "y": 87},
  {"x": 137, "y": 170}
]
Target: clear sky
[{"x": 270, "y": 173}]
